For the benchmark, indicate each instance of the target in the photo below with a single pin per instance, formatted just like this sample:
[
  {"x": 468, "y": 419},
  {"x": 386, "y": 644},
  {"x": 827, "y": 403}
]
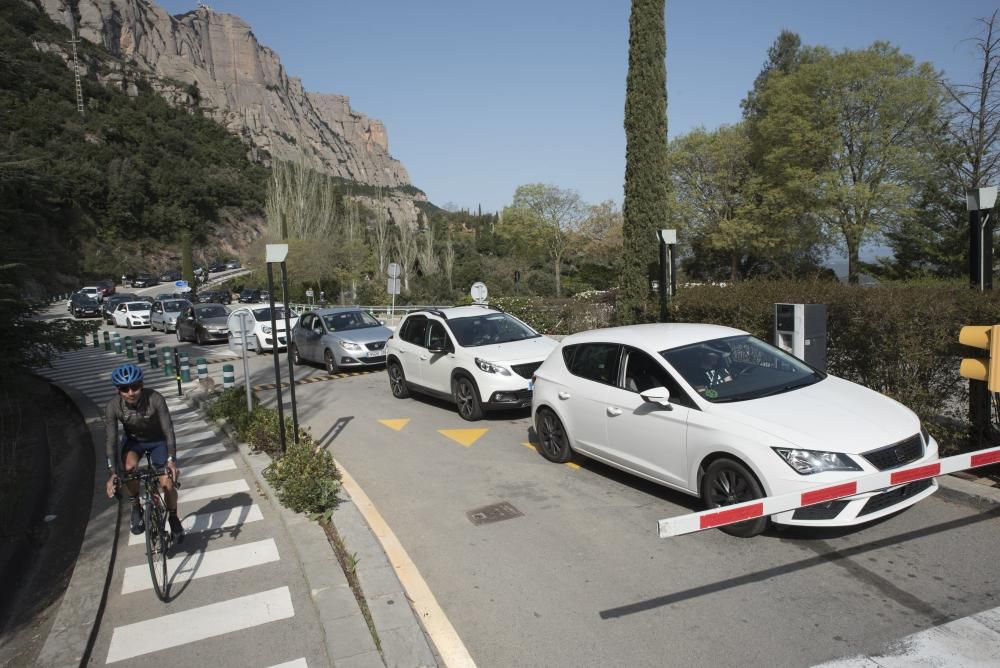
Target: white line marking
[
  {"x": 196, "y": 624},
  {"x": 186, "y": 566},
  {"x": 211, "y": 467},
  {"x": 219, "y": 489},
  {"x": 197, "y": 436},
  {"x": 201, "y": 450},
  {"x": 220, "y": 520},
  {"x": 297, "y": 663}
]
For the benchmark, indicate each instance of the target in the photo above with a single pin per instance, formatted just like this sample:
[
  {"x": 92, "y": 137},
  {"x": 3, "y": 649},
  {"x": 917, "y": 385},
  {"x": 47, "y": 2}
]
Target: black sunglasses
[{"x": 134, "y": 386}]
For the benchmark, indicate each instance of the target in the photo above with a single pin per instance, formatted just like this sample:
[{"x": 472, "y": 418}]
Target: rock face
[{"x": 214, "y": 61}]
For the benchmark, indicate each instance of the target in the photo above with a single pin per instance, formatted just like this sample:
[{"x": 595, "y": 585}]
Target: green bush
[
  {"x": 305, "y": 477},
  {"x": 231, "y": 405}
]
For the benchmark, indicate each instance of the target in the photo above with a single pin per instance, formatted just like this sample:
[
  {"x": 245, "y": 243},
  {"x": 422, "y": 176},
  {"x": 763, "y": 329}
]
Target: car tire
[
  {"x": 177, "y": 333},
  {"x": 128, "y": 324},
  {"x": 466, "y": 397},
  {"x": 397, "y": 381},
  {"x": 199, "y": 339},
  {"x": 330, "y": 362},
  {"x": 553, "y": 442},
  {"x": 728, "y": 481},
  {"x": 295, "y": 355}
]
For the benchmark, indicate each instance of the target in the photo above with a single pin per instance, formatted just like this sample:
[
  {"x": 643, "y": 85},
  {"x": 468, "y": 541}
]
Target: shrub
[
  {"x": 305, "y": 478},
  {"x": 231, "y": 405}
]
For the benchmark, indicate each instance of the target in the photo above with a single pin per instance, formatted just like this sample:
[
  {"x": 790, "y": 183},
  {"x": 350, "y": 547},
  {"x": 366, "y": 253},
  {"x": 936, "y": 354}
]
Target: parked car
[
  {"x": 233, "y": 264},
  {"x": 132, "y": 314},
  {"x": 91, "y": 291},
  {"x": 144, "y": 280},
  {"x": 477, "y": 357},
  {"x": 216, "y": 267},
  {"x": 215, "y": 296},
  {"x": 339, "y": 338},
  {"x": 84, "y": 306},
  {"x": 106, "y": 287},
  {"x": 259, "y": 337},
  {"x": 714, "y": 412},
  {"x": 170, "y": 295},
  {"x": 249, "y": 296},
  {"x": 109, "y": 304},
  {"x": 170, "y": 275},
  {"x": 203, "y": 323},
  {"x": 164, "y": 313}
]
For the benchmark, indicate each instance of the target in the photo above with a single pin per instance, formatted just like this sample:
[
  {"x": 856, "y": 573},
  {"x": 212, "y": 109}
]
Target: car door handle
[
  {"x": 614, "y": 411},
  {"x": 564, "y": 395}
]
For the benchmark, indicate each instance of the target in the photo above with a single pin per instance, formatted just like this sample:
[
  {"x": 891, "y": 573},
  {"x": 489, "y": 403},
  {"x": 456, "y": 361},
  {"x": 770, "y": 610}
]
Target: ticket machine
[{"x": 800, "y": 329}]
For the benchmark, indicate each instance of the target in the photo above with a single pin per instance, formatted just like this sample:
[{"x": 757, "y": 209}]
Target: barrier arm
[{"x": 771, "y": 505}]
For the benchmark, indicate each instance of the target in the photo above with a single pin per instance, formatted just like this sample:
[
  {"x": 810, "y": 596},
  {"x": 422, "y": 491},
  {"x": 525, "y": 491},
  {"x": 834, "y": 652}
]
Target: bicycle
[{"x": 158, "y": 536}]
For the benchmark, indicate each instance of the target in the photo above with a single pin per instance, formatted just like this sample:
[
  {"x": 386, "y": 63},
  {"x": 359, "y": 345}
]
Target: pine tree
[{"x": 646, "y": 187}]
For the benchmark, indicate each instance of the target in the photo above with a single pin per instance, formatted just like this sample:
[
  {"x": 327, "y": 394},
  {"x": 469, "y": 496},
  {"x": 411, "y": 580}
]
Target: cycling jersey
[{"x": 149, "y": 421}]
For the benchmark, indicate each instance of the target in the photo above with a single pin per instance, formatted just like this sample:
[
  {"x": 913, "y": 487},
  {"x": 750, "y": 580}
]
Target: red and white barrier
[{"x": 771, "y": 505}]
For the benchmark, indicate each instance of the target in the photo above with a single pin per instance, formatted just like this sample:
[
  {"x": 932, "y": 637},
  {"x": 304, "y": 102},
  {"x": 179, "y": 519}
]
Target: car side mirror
[{"x": 657, "y": 395}]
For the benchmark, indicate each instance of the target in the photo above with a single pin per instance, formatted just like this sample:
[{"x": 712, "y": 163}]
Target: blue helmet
[{"x": 126, "y": 374}]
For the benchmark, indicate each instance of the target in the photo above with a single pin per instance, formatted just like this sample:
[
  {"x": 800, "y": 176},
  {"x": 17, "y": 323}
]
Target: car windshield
[
  {"x": 213, "y": 312},
  {"x": 88, "y": 301},
  {"x": 176, "y": 305},
  {"x": 264, "y": 314},
  {"x": 739, "y": 368},
  {"x": 138, "y": 306},
  {"x": 345, "y": 320},
  {"x": 489, "y": 329}
]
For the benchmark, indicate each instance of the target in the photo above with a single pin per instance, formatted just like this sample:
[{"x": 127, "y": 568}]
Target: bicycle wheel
[{"x": 156, "y": 545}]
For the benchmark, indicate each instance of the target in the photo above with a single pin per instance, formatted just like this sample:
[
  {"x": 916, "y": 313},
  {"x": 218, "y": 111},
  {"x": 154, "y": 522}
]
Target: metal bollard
[
  {"x": 118, "y": 343},
  {"x": 202, "y": 368},
  {"x": 154, "y": 361},
  {"x": 185, "y": 368},
  {"x": 94, "y": 336},
  {"x": 168, "y": 362},
  {"x": 128, "y": 347},
  {"x": 228, "y": 376},
  {"x": 140, "y": 350},
  {"x": 107, "y": 341}
]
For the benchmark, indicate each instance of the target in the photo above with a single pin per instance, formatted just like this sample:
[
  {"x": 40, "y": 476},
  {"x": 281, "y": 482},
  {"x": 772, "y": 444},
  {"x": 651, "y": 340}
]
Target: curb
[
  {"x": 78, "y": 619},
  {"x": 349, "y": 641},
  {"x": 976, "y": 494}
]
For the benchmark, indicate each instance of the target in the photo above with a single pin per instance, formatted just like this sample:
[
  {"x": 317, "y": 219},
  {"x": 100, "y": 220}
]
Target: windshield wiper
[{"x": 782, "y": 389}]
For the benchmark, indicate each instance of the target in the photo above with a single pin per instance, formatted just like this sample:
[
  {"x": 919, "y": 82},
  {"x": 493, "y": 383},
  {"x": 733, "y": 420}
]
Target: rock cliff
[{"x": 214, "y": 61}]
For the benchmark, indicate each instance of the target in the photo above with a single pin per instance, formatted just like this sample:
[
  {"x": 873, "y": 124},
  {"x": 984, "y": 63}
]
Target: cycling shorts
[{"x": 157, "y": 451}]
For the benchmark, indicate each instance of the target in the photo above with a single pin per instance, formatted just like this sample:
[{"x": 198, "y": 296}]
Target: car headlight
[
  {"x": 807, "y": 462},
  {"x": 266, "y": 329},
  {"x": 352, "y": 347},
  {"x": 491, "y": 367}
]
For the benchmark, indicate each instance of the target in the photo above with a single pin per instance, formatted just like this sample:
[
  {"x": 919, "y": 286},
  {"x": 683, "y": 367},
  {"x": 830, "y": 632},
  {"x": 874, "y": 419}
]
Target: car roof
[
  {"x": 451, "y": 312},
  {"x": 658, "y": 336},
  {"x": 139, "y": 301},
  {"x": 338, "y": 309}
]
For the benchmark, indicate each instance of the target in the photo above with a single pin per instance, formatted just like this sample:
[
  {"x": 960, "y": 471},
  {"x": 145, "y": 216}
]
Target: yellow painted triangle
[
  {"x": 396, "y": 425},
  {"x": 464, "y": 437}
]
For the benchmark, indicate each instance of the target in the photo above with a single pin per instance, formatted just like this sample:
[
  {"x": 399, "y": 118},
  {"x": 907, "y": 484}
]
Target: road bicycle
[{"x": 159, "y": 538}]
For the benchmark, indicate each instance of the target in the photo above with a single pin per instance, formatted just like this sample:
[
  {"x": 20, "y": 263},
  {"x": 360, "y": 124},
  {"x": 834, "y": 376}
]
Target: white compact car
[
  {"x": 132, "y": 314},
  {"x": 716, "y": 413},
  {"x": 259, "y": 336},
  {"x": 478, "y": 357}
]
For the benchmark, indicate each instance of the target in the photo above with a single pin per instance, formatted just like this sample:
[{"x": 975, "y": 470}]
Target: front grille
[
  {"x": 378, "y": 345},
  {"x": 525, "y": 370},
  {"x": 897, "y": 454},
  {"x": 898, "y": 495},
  {"x": 820, "y": 511}
]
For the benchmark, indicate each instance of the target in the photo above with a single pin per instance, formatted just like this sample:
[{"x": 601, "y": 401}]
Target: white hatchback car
[
  {"x": 714, "y": 412},
  {"x": 259, "y": 337},
  {"x": 132, "y": 314},
  {"x": 478, "y": 357}
]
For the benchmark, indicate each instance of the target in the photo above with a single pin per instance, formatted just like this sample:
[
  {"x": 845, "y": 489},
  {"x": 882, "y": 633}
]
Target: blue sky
[{"x": 480, "y": 97}]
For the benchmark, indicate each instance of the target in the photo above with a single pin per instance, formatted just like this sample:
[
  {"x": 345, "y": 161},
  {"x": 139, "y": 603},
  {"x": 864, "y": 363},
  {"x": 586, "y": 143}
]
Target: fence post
[
  {"x": 154, "y": 361},
  {"x": 228, "y": 376}
]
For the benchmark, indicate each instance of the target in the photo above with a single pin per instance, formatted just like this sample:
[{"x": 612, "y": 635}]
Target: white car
[
  {"x": 259, "y": 337},
  {"x": 132, "y": 314},
  {"x": 714, "y": 412},
  {"x": 477, "y": 357}
]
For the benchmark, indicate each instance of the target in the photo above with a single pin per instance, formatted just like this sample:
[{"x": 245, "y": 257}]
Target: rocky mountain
[{"x": 214, "y": 61}]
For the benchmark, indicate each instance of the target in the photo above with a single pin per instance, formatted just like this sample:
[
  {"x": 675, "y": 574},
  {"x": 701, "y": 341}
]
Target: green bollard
[
  {"x": 118, "y": 343},
  {"x": 94, "y": 336},
  {"x": 154, "y": 361},
  {"x": 228, "y": 376},
  {"x": 140, "y": 350},
  {"x": 128, "y": 347},
  {"x": 107, "y": 341},
  {"x": 202, "y": 368},
  {"x": 168, "y": 362},
  {"x": 185, "y": 368}
]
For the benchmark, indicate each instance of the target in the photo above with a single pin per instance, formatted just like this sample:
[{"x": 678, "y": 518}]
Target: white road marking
[
  {"x": 220, "y": 520},
  {"x": 159, "y": 633},
  {"x": 219, "y": 489},
  {"x": 211, "y": 467},
  {"x": 200, "y": 450},
  {"x": 196, "y": 436},
  {"x": 185, "y": 566},
  {"x": 297, "y": 663}
]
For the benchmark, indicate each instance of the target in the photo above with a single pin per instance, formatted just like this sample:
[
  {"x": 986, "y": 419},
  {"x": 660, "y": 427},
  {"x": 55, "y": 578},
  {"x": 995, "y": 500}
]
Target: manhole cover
[{"x": 494, "y": 513}]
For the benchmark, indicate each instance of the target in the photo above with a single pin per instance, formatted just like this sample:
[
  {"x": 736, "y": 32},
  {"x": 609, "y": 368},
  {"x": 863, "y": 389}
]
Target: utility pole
[{"x": 76, "y": 77}]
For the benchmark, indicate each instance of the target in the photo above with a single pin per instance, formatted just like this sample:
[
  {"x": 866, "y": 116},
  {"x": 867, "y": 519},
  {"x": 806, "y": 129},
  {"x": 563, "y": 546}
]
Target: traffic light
[{"x": 977, "y": 368}]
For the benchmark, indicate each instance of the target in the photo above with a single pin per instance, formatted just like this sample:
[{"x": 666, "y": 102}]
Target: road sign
[
  {"x": 479, "y": 292},
  {"x": 393, "y": 270},
  {"x": 393, "y": 286},
  {"x": 181, "y": 284},
  {"x": 309, "y": 293}
]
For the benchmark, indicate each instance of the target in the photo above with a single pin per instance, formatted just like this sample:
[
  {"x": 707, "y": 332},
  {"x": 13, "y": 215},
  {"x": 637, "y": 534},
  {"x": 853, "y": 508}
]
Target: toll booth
[{"x": 800, "y": 329}]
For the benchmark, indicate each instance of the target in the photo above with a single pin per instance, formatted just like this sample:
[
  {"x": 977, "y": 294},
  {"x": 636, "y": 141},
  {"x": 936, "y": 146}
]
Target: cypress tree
[{"x": 646, "y": 187}]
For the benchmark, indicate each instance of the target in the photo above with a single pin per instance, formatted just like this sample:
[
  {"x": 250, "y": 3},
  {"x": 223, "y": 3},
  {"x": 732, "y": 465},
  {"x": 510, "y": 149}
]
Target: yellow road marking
[
  {"x": 313, "y": 379},
  {"x": 464, "y": 437},
  {"x": 396, "y": 425},
  {"x": 569, "y": 464}
]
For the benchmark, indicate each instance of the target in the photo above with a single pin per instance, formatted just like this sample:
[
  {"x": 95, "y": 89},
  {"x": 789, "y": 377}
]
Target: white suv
[{"x": 478, "y": 357}]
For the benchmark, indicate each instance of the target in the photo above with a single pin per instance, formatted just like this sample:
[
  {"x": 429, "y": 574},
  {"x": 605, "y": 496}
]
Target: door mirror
[{"x": 657, "y": 395}]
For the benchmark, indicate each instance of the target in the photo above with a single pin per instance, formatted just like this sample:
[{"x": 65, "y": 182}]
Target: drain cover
[{"x": 494, "y": 513}]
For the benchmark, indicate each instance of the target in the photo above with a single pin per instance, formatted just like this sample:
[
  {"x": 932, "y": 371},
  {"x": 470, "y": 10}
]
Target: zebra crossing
[{"x": 232, "y": 596}]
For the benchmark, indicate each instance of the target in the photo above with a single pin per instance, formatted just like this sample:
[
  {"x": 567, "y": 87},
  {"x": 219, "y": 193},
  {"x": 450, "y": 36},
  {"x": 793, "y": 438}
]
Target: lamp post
[
  {"x": 980, "y": 203},
  {"x": 667, "y": 282}
]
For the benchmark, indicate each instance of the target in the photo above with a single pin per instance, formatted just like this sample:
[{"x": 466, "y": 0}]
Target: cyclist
[{"x": 143, "y": 414}]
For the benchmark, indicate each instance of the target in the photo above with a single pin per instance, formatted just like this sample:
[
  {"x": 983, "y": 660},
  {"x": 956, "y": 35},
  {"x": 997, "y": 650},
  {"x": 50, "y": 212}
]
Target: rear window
[
  {"x": 214, "y": 311},
  {"x": 594, "y": 361}
]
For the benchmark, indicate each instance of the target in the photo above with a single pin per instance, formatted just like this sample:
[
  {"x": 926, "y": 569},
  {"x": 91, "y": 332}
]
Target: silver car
[
  {"x": 164, "y": 312},
  {"x": 340, "y": 338}
]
